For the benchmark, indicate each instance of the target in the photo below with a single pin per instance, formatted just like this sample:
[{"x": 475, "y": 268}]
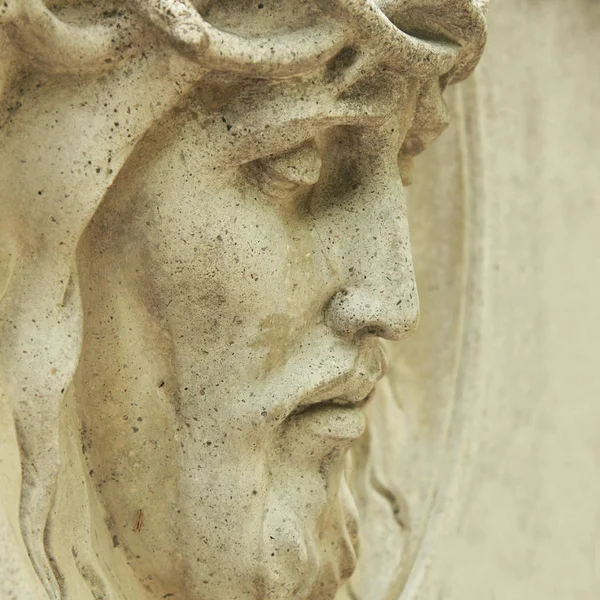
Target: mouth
[
  {"x": 336, "y": 408},
  {"x": 348, "y": 389},
  {"x": 336, "y": 419},
  {"x": 338, "y": 403}
]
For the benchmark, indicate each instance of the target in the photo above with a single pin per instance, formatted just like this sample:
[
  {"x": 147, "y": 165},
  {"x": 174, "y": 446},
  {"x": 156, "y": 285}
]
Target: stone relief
[{"x": 203, "y": 243}]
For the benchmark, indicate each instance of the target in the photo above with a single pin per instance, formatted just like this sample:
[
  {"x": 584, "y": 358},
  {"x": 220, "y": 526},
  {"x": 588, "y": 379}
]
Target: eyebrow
[{"x": 269, "y": 119}]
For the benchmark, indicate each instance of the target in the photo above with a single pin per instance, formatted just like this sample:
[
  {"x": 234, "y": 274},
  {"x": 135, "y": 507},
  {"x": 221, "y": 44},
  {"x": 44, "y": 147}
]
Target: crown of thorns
[{"x": 449, "y": 44}]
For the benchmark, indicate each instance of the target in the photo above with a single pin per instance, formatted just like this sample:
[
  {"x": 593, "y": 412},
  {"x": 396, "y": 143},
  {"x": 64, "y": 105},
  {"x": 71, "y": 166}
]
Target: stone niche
[{"x": 205, "y": 275}]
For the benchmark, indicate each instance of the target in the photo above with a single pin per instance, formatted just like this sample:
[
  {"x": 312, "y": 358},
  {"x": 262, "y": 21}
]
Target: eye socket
[{"x": 288, "y": 175}]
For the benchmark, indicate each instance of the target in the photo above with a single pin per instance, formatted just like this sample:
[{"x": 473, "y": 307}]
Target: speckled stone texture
[{"x": 205, "y": 266}]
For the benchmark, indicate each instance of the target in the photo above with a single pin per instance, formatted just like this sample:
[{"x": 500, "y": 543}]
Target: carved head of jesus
[
  {"x": 237, "y": 282},
  {"x": 239, "y": 278}
]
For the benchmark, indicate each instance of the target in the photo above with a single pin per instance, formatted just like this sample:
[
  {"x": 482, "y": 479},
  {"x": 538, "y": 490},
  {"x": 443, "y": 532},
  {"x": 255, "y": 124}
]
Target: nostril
[
  {"x": 386, "y": 330},
  {"x": 371, "y": 331}
]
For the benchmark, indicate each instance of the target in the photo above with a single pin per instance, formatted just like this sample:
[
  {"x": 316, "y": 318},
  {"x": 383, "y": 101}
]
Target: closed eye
[{"x": 288, "y": 175}]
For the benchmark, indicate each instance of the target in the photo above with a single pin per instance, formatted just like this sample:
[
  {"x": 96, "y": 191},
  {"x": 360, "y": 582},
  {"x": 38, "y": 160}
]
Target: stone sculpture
[{"x": 203, "y": 240}]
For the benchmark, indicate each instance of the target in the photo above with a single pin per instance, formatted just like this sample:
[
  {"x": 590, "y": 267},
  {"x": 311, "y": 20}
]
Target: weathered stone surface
[{"x": 203, "y": 246}]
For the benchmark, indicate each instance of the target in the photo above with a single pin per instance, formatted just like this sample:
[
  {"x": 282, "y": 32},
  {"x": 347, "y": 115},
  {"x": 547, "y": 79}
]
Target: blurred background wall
[{"x": 529, "y": 524}]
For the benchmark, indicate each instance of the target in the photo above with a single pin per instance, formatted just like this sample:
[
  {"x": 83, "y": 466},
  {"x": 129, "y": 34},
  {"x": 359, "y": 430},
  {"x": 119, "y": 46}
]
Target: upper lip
[{"x": 351, "y": 387}]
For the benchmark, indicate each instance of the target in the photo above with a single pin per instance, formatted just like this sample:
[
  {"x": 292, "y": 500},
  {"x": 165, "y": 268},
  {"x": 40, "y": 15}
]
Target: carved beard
[
  {"x": 284, "y": 525},
  {"x": 310, "y": 525}
]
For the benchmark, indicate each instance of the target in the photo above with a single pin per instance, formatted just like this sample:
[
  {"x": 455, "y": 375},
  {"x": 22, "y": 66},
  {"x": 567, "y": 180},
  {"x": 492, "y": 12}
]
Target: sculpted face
[
  {"x": 251, "y": 258},
  {"x": 228, "y": 177}
]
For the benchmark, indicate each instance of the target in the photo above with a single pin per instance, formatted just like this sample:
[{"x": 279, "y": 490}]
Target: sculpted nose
[
  {"x": 369, "y": 245},
  {"x": 390, "y": 312},
  {"x": 378, "y": 292}
]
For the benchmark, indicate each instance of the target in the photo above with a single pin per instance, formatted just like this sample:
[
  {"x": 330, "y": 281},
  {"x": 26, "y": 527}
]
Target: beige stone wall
[{"x": 530, "y": 525}]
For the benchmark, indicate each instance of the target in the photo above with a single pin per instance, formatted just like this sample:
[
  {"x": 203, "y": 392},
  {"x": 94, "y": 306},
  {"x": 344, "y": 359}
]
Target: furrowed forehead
[{"x": 263, "y": 118}]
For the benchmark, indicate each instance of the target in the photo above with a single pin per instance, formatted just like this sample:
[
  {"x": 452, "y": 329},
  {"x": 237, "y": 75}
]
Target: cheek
[{"x": 219, "y": 265}]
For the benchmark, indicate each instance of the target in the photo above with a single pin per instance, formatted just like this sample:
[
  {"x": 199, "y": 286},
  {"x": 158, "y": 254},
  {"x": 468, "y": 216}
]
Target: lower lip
[{"x": 344, "y": 422}]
